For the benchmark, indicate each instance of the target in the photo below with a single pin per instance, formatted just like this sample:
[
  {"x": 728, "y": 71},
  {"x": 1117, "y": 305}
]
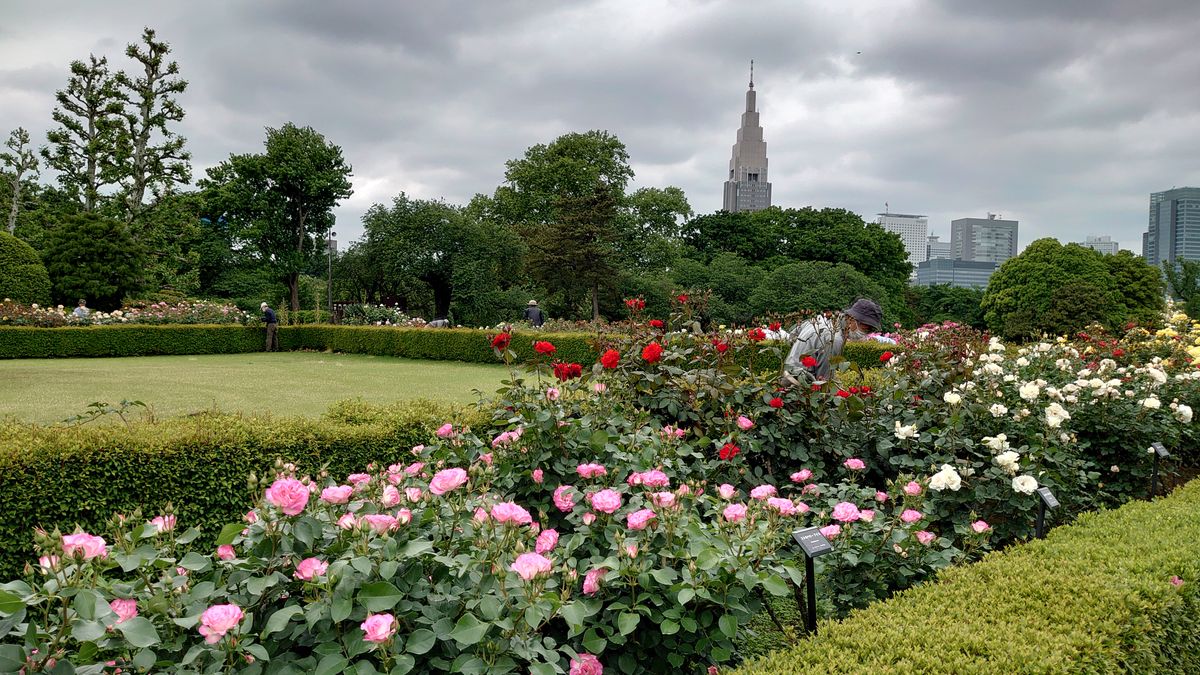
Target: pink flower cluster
[
  {"x": 639, "y": 520},
  {"x": 652, "y": 478},
  {"x": 591, "y": 470},
  {"x": 531, "y": 565},
  {"x": 84, "y": 545},
  {"x": 509, "y": 512},
  {"x": 506, "y": 438},
  {"x": 563, "y": 499}
]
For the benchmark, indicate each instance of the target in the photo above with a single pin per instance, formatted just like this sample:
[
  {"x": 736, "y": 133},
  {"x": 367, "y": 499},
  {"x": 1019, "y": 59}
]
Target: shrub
[
  {"x": 127, "y": 340},
  {"x": 23, "y": 277},
  {"x": 93, "y": 257},
  {"x": 62, "y": 476},
  {"x": 1118, "y": 591}
]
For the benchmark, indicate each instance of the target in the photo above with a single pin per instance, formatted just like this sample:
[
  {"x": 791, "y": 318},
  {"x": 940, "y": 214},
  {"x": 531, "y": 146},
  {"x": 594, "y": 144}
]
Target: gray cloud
[{"x": 1062, "y": 114}]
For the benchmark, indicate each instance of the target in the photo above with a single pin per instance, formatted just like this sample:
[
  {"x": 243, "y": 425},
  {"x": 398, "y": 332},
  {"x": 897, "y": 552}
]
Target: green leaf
[
  {"x": 194, "y": 561},
  {"x": 594, "y": 642},
  {"x": 626, "y": 622},
  {"x": 10, "y": 603},
  {"x": 86, "y": 631},
  {"x": 468, "y": 664},
  {"x": 775, "y": 586},
  {"x": 729, "y": 625},
  {"x": 574, "y": 613},
  {"x": 379, "y": 596},
  {"x": 139, "y": 632},
  {"x": 415, "y": 548},
  {"x": 664, "y": 575},
  {"x": 145, "y": 659},
  {"x": 685, "y": 595},
  {"x": 12, "y": 658},
  {"x": 420, "y": 642},
  {"x": 469, "y": 630},
  {"x": 404, "y": 663},
  {"x": 669, "y": 627},
  {"x": 229, "y": 533},
  {"x": 598, "y": 440},
  {"x": 332, "y": 664},
  {"x": 280, "y": 618},
  {"x": 260, "y": 652}
]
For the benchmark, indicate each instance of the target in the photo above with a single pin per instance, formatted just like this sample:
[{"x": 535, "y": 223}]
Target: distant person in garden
[
  {"x": 272, "y": 327},
  {"x": 81, "y": 312},
  {"x": 439, "y": 323},
  {"x": 534, "y": 315},
  {"x": 821, "y": 338}
]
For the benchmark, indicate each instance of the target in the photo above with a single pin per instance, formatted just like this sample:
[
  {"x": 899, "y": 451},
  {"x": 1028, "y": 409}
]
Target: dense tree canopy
[
  {"x": 23, "y": 278},
  {"x": 95, "y": 258},
  {"x": 816, "y": 285}
]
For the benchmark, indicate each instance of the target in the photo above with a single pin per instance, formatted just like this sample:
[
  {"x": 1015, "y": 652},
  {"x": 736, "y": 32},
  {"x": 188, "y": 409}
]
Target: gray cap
[{"x": 867, "y": 312}]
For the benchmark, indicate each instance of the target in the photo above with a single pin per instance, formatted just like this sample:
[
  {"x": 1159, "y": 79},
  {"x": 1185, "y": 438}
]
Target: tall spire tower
[{"x": 747, "y": 188}]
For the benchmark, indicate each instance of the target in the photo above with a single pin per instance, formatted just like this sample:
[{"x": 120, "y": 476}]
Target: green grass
[{"x": 284, "y": 383}]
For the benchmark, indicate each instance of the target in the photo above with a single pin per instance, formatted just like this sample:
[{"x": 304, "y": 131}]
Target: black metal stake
[
  {"x": 1154, "y": 477},
  {"x": 814, "y": 544},
  {"x": 810, "y": 580},
  {"x": 1041, "y": 520}
]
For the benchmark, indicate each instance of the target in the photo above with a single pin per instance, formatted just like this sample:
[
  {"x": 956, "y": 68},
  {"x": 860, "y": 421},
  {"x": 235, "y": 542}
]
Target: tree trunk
[
  {"x": 595, "y": 302},
  {"x": 16, "y": 198},
  {"x": 294, "y": 292}
]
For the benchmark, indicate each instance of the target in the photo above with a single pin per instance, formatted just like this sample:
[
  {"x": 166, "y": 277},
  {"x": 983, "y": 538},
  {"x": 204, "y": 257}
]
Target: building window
[{"x": 753, "y": 177}]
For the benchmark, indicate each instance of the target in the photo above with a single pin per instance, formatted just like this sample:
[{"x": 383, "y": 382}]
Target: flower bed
[
  {"x": 181, "y": 312},
  {"x": 1116, "y": 592}
]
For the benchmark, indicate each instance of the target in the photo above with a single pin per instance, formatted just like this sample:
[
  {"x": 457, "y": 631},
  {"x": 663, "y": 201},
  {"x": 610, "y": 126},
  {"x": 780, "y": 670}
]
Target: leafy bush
[
  {"x": 62, "y": 476},
  {"x": 22, "y": 342},
  {"x": 93, "y": 257},
  {"x": 23, "y": 277},
  {"x": 1119, "y": 591},
  {"x": 138, "y": 312}
]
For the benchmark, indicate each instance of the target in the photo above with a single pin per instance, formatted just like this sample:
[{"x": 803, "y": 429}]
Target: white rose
[
  {"x": 1159, "y": 377},
  {"x": 1151, "y": 403},
  {"x": 997, "y": 443},
  {"x": 1184, "y": 413},
  {"x": 998, "y": 410},
  {"x": 1008, "y": 461},
  {"x": 1022, "y": 362},
  {"x": 1056, "y": 415},
  {"x": 994, "y": 345},
  {"x": 946, "y": 479},
  {"x": 1025, "y": 484},
  {"x": 992, "y": 369},
  {"x": 1030, "y": 391},
  {"x": 904, "y": 432},
  {"x": 952, "y": 398}
]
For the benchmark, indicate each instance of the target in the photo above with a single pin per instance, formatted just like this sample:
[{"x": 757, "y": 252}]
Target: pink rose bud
[
  {"x": 447, "y": 480},
  {"x": 881, "y": 497},
  {"x": 310, "y": 569},
  {"x": 802, "y": 476},
  {"x": 980, "y": 527},
  {"x": 338, "y": 494},
  {"x": 589, "y": 518},
  {"x": 391, "y": 496},
  {"x": 226, "y": 552},
  {"x": 378, "y": 628},
  {"x": 911, "y": 515},
  {"x": 218, "y": 620},
  {"x": 744, "y": 423},
  {"x": 734, "y": 512},
  {"x": 538, "y": 476},
  {"x": 404, "y": 516},
  {"x": 912, "y": 489},
  {"x": 632, "y": 550},
  {"x": 531, "y": 565},
  {"x": 251, "y": 517},
  {"x": 444, "y": 431},
  {"x": 546, "y": 541},
  {"x": 591, "y": 581},
  {"x": 412, "y": 494},
  {"x": 831, "y": 531},
  {"x": 762, "y": 492},
  {"x": 726, "y": 491},
  {"x": 480, "y": 516},
  {"x": 854, "y": 464},
  {"x": 925, "y": 537},
  {"x": 124, "y": 609},
  {"x": 347, "y": 521}
]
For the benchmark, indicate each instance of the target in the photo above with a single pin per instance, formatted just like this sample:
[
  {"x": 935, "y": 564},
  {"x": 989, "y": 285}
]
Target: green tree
[
  {"x": 170, "y": 235},
  {"x": 23, "y": 278},
  {"x": 281, "y": 202},
  {"x": 943, "y": 302},
  {"x": 816, "y": 285},
  {"x": 23, "y": 164},
  {"x": 577, "y": 254},
  {"x": 83, "y": 148},
  {"x": 93, "y": 257},
  {"x": 739, "y": 233},
  {"x": 151, "y": 155},
  {"x": 1141, "y": 286},
  {"x": 1183, "y": 278}
]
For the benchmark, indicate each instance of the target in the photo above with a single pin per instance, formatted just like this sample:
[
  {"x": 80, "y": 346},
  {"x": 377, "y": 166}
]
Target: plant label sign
[
  {"x": 1048, "y": 497},
  {"x": 812, "y": 541},
  {"x": 1160, "y": 450}
]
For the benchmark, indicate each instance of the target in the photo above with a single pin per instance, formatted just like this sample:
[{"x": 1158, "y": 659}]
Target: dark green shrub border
[
  {"x": 63, "y": 476},
  {"x": 1094, "y": 597},
  {"x": 457, "y": 344}
]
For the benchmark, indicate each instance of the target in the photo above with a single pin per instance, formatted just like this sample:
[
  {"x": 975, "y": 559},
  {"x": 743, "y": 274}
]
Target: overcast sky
[{"x": 1063, "y": 114}]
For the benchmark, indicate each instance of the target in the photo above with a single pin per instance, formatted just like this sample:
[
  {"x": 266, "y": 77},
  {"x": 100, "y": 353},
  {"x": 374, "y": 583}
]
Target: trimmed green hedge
[
  {"x": 449, "y": 344},
  {"x": 62, "y": 476},
  {"x": 1094, "y": 597}
]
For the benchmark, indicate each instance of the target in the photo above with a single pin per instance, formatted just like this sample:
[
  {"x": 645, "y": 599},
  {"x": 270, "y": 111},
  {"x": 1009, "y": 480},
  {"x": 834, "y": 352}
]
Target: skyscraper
[
  {"x": 747, "y": 188},
  {"x": 938, "y": 249},
  {"x": 1103, "y": 244},
  {"x": 990, "y": 239},
  {"x": 1174, "y": 230},
  {"x": 913, "y": 231}
]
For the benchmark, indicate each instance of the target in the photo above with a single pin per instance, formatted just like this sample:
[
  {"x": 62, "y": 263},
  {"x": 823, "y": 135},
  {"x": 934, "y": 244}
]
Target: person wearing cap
[
  {"x": 534, "y": 315},
  {"x": 823, "y": 337},
  {"x": 272, "y": 327}
]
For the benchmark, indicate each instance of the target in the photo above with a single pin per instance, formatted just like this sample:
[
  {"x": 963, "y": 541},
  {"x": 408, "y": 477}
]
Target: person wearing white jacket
[{"x": 823, "y": 338}]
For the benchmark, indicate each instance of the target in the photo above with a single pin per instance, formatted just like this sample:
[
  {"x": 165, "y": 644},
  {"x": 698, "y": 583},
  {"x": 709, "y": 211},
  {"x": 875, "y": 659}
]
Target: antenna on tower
[{"x": 751, "y": 73}]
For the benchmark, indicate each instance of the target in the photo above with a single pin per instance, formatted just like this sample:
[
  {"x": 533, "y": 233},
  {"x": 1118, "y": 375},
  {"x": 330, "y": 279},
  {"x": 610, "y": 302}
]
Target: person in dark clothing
[
  {"x": 534, "y": 314},
  {"x": 272, "y": 327}
]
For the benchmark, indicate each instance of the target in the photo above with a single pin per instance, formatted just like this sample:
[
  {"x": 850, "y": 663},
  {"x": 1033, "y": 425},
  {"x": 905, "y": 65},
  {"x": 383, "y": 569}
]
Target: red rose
[
  {"x": 808, "y": 362},
  {"x": 842, "y": 393},
  {"x": 756, "y": 335},
  {"x": 885, "y": 357},
  {"x": 543, "y": 347},
  {"x": 729, "y": 451},
  {"x": 853, "y": 390},
  {"x": 775, "y": 325},
  {"x": 501, "y": 341},
  {"x": 610, "y": 359},
  {"x": 652, "y": 352},
  {"x": 636, "y": 304},
  {"x": 776, "y": 403},
  {"x": 567, "y": 371},
  {"x": 816, "y": 387},
  {"x": 864, "y": 390},
  {"x": 656, "y": 323},
  {"x": 682, "y": 298},
  {"x": 1118, "y": 352}
]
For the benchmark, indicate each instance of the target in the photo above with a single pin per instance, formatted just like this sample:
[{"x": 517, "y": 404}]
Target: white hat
[
  {"x": 532, "y": 302},
  {"x": 263, "y": 305}
]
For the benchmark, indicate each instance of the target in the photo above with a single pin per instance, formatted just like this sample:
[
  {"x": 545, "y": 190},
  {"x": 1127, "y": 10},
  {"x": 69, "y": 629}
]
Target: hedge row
[
  {"x": 459, "y": 344},
  {"x": 1094, "y": 597},
  {"x": 63, "y": 476}
]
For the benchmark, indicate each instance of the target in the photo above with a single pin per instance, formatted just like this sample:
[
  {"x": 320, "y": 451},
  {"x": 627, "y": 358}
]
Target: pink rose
[
  {"x": 801, "y": 507},
  {"x": 124, "y": 609},
  {"x": 912, "y": 489},
  {"x": 631, "y": 550},
  {"x": 163, "y": 523},
  {"x": 655, "y": 478},
  {"x": 418, "y": 449},
  {"x": 412, "y": 494},
  {"x": 226, "y": 552},
  {"x": 508, "y": 512},
  {"x": 288, "y": 495},
  {"x": 980, "y": 527},
  {"x": 586, "y": 664},
  {"x": 563, "y": 499},
  {"x": 854, "y": 464},
  {"x": 546, "y": 541},
  {"x": 831, "y": 531},
  {"x": 734, "y": 513},
  {"x": 338, "y": 494},
  {"x": 785, "y": 507},
  {"x": 811, "y": 489},
  {"x": 251, "y": 517},
  {"x": 762, "y": 492},
  {"x": 638, "y": 520},
  {"x": 404, "y": 516},
  {"x": 591, "y": 580},
  {"x": 802, "y": 476},
  {"x": 1176, "y": 581},
  {"x": 480, "y": 516},
  {"x": 745, "y": 423},
  {"x": 414, "y": 468},
  {"x": 359, "y": 479},
  {"x": 599, "y": 387},
  {"x": 48, "y": 563},
  {"x": 866, "y": 515},
  {"x": 391, "y": 496},
  {"x": 486, "y": 458},
  {"x": 726, "y": 491},
  {"x": 552, "y": 394},
  {"x": 84, "y": 545},
  {"x": 590, "y": 470},
  {"x": 538, "y": 476},
  {"x": 347, "y": 521},
  {"x": 925, "y": 537},
  {"x": 589, "y": 518},
  {"x": 606, "y": 501},
  {"x": 378, "y": 628},
  {"x": 665, "y": 500},
  {"x": 380, "y": 523},
  {"x": 911, "y": 515},
  {"x": 881, "y": 497},
  {"x": 447, "y": 480},
  {"x": 445, "y": 431},
  {"x": 310, "y": 568},
  {"x": 530, "y": 565},
  {"x": 218, "y": 620},
  {"x": 846, "y": 512}
]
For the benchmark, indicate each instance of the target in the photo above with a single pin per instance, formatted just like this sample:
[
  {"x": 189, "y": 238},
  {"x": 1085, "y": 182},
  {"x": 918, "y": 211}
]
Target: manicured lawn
[{"x": 288, "y": 383}]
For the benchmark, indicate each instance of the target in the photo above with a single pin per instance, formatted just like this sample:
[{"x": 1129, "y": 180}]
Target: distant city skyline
[{"x": 925, "y": 105}]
